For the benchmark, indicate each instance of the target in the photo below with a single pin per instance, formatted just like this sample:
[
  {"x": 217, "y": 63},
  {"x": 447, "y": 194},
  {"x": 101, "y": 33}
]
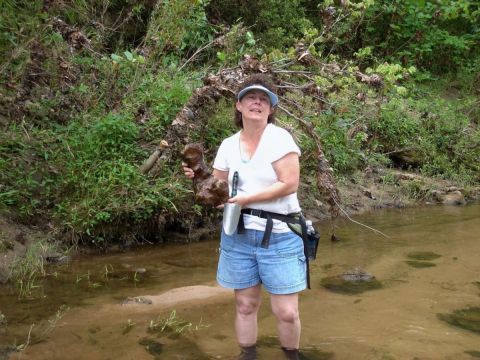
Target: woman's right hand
[{"x": 188, "y": 171}]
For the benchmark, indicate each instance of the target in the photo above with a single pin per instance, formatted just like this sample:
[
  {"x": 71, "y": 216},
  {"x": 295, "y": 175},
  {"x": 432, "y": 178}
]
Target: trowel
[{"x": 232, "y": 212}]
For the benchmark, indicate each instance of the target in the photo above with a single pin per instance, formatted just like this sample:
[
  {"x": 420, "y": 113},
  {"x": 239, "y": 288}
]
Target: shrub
[
  {"x": 276, "y": 23},
  {"x": 177, "y": 28},
  {"x": 436, "y": 36}
]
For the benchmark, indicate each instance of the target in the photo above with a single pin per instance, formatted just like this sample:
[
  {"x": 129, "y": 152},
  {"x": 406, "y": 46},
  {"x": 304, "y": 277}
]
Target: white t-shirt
[{"x": 257, "y": 173}]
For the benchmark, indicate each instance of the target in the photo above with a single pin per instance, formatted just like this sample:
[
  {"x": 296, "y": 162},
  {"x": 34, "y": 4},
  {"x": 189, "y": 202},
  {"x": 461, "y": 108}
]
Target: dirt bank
[{"x": 375, "y": 189}]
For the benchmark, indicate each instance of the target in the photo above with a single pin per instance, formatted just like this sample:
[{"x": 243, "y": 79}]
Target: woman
[{"x": 267, "y": 161}]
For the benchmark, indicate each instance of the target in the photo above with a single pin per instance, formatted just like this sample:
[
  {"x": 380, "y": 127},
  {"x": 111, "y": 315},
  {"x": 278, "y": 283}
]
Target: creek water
[{"x": 77, "y": 312}]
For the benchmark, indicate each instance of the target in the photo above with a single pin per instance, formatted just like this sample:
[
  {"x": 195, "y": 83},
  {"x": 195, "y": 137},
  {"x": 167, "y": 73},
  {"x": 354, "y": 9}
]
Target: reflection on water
[{"x": 398, "y": 321}]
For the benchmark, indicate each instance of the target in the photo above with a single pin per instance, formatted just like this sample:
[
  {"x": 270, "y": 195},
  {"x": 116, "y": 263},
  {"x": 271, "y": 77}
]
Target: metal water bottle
[{"x": 232, "y": 212}]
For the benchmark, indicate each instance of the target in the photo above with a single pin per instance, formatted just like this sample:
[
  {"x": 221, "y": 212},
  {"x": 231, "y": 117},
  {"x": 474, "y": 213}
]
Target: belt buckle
[{"x": 256, "y": 212}]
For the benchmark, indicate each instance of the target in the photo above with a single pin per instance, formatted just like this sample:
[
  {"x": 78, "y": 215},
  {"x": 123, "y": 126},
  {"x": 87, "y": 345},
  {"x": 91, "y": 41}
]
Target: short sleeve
[
  {"x": 280, "y": 144},
  {"x": 220, "y": 162}
]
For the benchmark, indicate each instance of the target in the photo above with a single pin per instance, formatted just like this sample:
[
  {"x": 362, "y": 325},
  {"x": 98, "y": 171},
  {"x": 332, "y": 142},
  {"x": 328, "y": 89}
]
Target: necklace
[{"x": 242, "y": 159}]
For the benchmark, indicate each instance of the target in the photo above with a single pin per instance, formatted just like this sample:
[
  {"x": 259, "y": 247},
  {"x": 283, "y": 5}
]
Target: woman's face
[{"x": 255, "y": 105}]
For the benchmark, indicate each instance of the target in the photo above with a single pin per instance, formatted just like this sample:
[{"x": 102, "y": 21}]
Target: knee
[
  {"x": 287, "y": 314},
  {"x": 247, "y": 307}
]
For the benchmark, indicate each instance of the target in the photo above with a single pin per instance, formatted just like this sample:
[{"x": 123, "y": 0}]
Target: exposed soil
[{"x": 375, "y": 189}]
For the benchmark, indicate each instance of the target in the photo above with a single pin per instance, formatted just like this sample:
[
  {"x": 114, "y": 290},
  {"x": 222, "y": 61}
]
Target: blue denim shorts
[{"x": 244, "y": 263}]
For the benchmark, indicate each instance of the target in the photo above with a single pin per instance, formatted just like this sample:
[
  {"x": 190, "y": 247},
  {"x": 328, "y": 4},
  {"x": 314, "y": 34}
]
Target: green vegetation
[
  {"x": 420, "y": 264},
  {"x": 437, "y": 36},
  {"x": 27, "y": 269},
  {"x": 128, "y": 326},
  {"x": 423, "y": 255},
  {"x": 173, "y": 326},
  {"x": 473, "y": 353},
  {"x": 340, "y": 285},
  {"x": 420, "y": 259},
  {"x": 468, "y": 318},
  {"x": 89, "y": 88},
  {"x": 5, "y": 245},
  {"x": 39, "y": 332}
]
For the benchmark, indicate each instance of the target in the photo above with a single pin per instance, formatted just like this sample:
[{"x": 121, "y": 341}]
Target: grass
[
  {"x": 38, "y": 333},
  {"x": 173, "y": 326},
  {"x": 128, "y": 327},
  {"x": 26, "y": 270},
  {"x": 5, "y": 245}
]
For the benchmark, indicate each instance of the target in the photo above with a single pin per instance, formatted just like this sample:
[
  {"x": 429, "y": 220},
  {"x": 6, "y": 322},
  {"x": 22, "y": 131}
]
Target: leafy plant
[
  {"x": 268, "y": 19},
  {"x": 236, "y": 43},
  {"x": 176, "y": 29}
]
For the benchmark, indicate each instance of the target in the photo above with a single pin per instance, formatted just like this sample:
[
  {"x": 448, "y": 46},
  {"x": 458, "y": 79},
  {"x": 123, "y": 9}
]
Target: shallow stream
[{"x": 77, "y": 312}]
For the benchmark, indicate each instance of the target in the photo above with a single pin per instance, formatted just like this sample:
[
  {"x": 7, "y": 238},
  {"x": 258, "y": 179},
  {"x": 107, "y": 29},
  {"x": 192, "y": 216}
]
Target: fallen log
[{"x": 152, "y": 159}]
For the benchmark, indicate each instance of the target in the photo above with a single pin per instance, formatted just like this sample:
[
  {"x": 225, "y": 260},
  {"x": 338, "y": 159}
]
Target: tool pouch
[{"x": 313, "y": 236}]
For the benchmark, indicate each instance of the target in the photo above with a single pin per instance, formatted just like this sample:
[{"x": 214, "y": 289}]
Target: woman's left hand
[{"x": 241, "y": 200}]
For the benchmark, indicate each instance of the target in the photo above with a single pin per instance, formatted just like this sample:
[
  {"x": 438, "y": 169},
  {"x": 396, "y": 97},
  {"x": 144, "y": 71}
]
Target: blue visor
[{"x": 271, "y": 95}]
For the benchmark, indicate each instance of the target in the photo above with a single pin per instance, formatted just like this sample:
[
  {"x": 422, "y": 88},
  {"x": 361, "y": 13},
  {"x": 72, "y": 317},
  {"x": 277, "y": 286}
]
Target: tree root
[{"x": 192, "y": 118}]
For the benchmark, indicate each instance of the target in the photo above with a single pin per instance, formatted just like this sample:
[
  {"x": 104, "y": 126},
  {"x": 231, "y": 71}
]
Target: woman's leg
[
  {"x": 247, "y": 303},
  {"x": 285, "y": 309}
]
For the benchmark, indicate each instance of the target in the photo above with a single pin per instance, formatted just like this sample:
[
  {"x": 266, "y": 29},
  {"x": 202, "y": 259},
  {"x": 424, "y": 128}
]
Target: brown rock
[
  {"x": 449, "y": 198},
  {"x": 453, "y": 189},
  {"x": 208, "y": 190},
  {"x": 454, "y": 198},
  {"x": 407, "y": 176}
]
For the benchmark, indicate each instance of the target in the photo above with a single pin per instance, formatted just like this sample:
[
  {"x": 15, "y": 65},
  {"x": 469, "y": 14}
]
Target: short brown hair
[{"x": 255, "y": 79}]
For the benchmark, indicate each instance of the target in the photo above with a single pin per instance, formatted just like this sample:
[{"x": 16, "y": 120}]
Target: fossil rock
[{"x": 208, "y": 190}]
